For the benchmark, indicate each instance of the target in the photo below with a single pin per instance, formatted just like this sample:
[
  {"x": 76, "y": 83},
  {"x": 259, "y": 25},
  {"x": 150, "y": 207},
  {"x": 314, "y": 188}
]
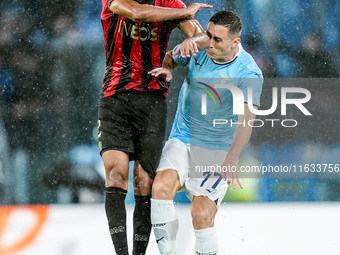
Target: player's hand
[
  {"x": 187, "y": 48},
  {"x": 161, "y": 72},
  {"x": 195, "y": 8},
  {"x": 230, "y": 172}
]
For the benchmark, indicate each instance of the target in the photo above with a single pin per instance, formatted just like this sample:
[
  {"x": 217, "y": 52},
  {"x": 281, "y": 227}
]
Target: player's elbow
[
  {"x": 134, "y": 15},
  {"x": 138, "y": 15},
  {"x": 130, "y": 11},
  {"x": 197, "y": 31}
]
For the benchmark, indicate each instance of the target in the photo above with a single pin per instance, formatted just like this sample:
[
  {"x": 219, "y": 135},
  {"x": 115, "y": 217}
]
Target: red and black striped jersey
[{"x": 133, "y": 49}]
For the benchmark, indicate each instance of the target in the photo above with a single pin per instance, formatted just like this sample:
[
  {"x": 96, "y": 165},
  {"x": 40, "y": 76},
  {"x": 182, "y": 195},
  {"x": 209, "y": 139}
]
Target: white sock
[
  {"x": 165, "y": 225},
  {"x": 206, "y": 242}
]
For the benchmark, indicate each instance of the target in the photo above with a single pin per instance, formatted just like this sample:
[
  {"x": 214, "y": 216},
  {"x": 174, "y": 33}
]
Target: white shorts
[{"x": 198, "y": 169}]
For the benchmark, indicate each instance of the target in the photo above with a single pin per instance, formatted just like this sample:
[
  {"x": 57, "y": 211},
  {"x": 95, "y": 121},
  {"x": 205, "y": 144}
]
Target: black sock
[
  {"x": 141, "y": 224},
  {"x": 116, "y": 216}
]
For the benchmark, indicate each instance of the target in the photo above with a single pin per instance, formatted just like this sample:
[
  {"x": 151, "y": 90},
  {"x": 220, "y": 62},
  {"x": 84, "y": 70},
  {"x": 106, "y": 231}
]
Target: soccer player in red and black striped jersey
[{"x": 132, "y": 110}]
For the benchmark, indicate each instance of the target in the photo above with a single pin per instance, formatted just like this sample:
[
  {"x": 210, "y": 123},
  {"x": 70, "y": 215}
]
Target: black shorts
[{"x": 134, "y": 122}]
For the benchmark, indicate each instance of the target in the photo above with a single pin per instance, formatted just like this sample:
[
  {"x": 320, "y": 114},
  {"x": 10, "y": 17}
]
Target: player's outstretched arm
[
  {"x": 165, "y": 71},
  {"x": 197, "y": 38},
  {"x": 240, "y": 141},
  {"x": 149, "y": 13},
  {"x": 161, "y": 72}
]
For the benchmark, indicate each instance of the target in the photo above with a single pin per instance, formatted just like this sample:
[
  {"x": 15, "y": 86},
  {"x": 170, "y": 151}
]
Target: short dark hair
[{"x": 228, "y": 19}]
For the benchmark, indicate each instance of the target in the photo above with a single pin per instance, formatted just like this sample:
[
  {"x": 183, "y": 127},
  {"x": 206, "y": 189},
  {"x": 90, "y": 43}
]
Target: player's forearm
[
  {"x": 169, "y": 62},
  {"x": 242, "y": 134},
  {"x": 154, "y": 13},
  {"x": 196, "y": 41},
  {"x": 146, "y": 13},
  {"x": 241, "y": 139},
  {"x": 202, "y": 40},
  {"x": 192, "y": 29}
]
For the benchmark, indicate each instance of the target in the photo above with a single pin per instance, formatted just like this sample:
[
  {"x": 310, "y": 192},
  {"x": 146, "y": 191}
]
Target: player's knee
[
  {"x": 161, "y": 190},
  {"x": 142, "y": 185},
  {"x": 142, "y": 181},
  {"x": 166, "y": 185},
  {"x": 202, "y": 219},
  {"x": 117, "y": 176}
]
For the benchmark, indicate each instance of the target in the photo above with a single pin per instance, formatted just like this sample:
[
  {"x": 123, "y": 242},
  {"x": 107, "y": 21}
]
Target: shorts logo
[{"x": 99, "y": 133}]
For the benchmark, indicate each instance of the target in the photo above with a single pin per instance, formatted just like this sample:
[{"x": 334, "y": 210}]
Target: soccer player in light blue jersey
[{"x": 209, "y": 132}]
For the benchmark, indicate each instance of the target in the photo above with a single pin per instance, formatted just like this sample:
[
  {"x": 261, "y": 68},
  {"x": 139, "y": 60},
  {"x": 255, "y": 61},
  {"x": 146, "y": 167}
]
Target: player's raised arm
[
  {"x": 197, "y": 38},
  {"x": 148, "y": 13},
  {"x": 165, "y": 71}
]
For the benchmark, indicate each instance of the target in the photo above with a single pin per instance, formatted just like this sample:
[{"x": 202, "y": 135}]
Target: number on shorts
[{"x": 208, "y": 174}]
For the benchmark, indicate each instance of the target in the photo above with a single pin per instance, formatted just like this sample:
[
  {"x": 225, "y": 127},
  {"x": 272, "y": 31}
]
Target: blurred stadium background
[{"x": 52, "y": 61}]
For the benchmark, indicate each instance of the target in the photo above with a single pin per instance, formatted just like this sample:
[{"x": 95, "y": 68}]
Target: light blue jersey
[{"x": 196, "y": 121}]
